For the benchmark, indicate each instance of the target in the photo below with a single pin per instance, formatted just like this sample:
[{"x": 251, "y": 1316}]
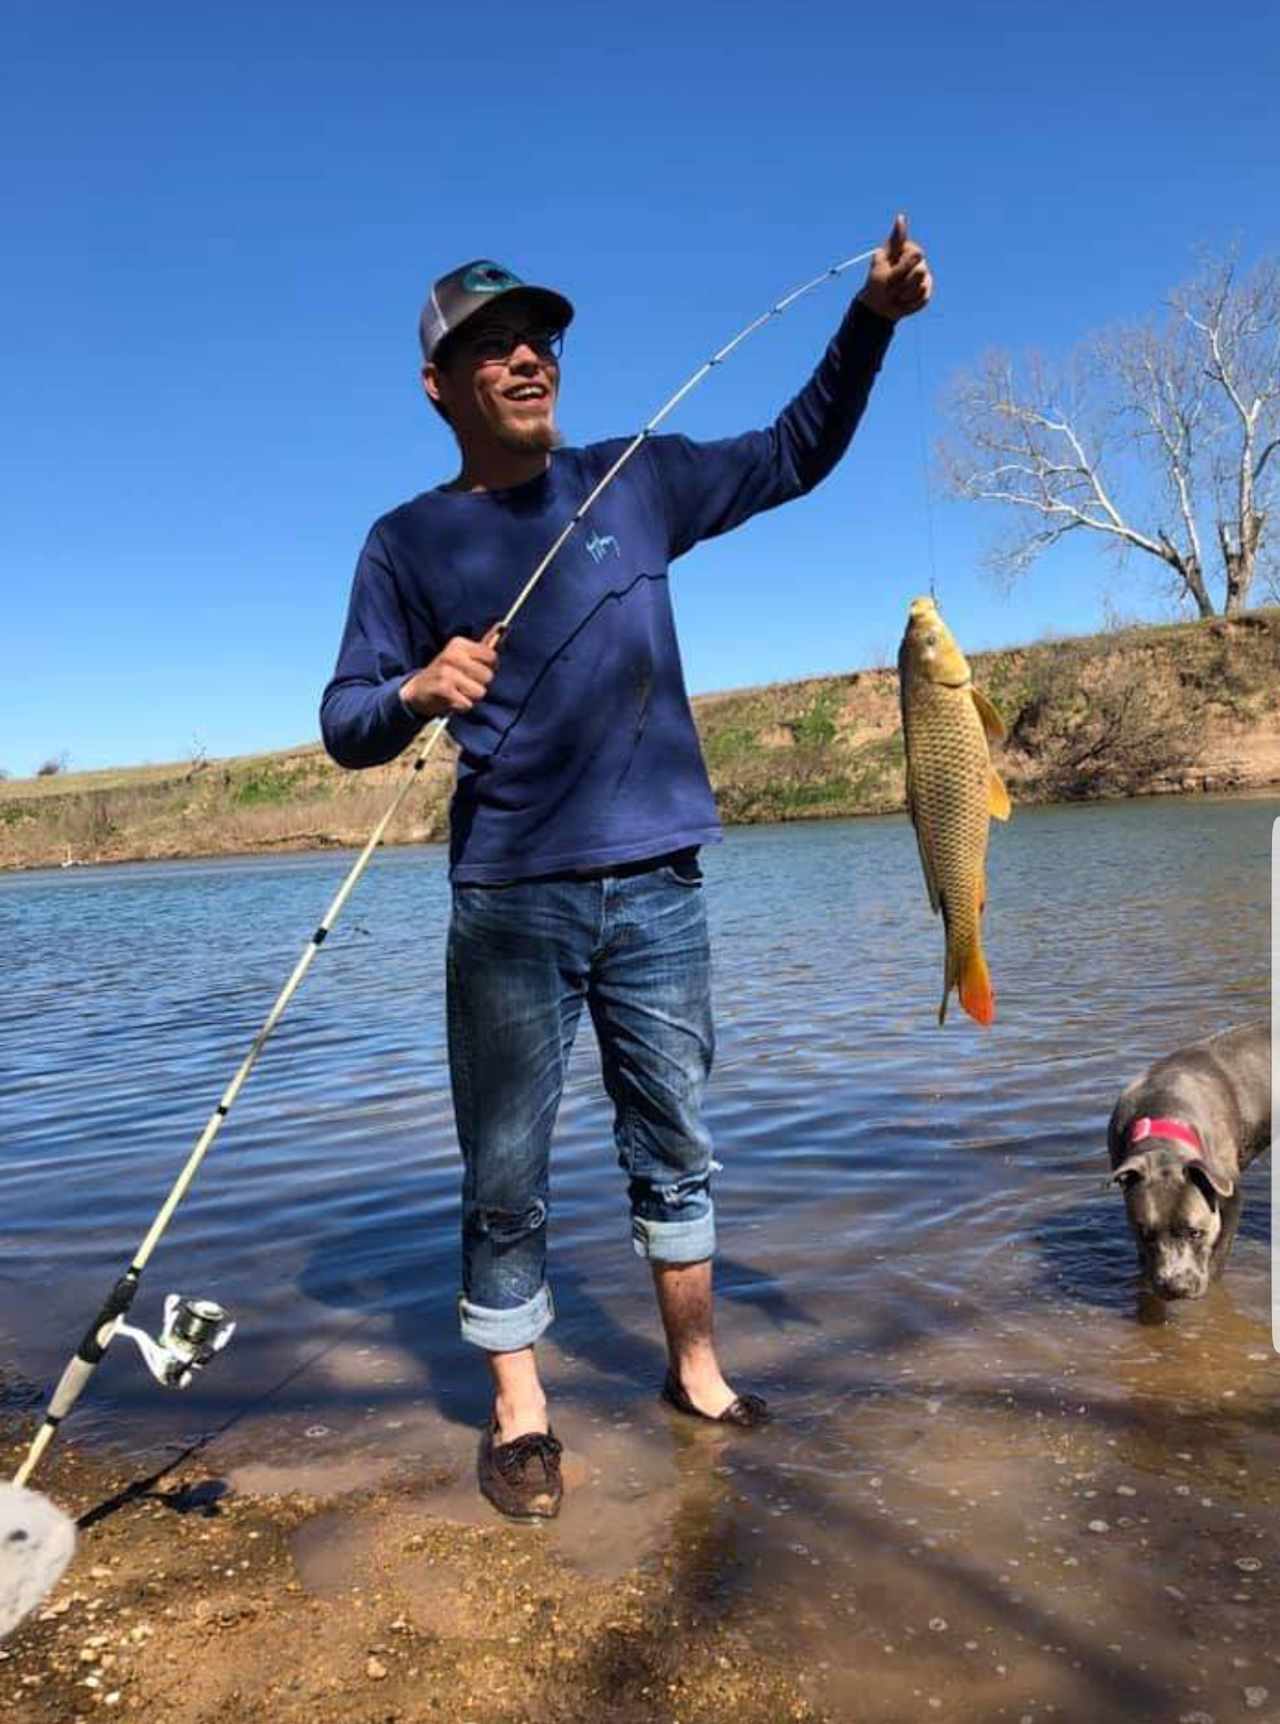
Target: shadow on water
[
  {"x": 1087, "y": 1254},
  {"x": 712, "y": 1575},
  {"x": 391, "y": 1269},
  {"x": 742, "y": 1284}
]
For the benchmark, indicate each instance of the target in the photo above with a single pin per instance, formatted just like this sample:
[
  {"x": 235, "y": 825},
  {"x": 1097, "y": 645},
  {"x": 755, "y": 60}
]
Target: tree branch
[{"x": 1263, "y": 458}]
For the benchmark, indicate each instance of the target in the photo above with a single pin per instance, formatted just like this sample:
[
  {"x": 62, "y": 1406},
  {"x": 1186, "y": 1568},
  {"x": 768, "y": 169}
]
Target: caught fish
[{"x": 952, "y": 792}]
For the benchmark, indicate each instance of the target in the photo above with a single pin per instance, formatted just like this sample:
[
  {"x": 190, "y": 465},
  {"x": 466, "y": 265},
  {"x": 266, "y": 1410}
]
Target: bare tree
[
  {"x": 1239, "y": 327},
  {"x": 1160, "y": 437},
  {"x": 199, "y": 756}
]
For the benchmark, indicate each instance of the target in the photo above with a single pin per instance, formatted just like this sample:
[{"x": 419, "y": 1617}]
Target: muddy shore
[
  {"x": 187, "y": 1601},
  {"x": 1143, "y": 1587}
]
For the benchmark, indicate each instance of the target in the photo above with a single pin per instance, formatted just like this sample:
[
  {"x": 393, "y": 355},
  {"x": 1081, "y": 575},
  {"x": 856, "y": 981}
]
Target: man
[{"x": 581, "y": 799}]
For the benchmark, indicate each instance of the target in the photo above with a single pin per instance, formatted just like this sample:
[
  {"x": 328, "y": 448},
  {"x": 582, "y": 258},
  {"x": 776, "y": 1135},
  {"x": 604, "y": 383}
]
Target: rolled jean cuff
[
  {"x": 675, "y": 1241},
  {"x": 506, "y": 1331}
]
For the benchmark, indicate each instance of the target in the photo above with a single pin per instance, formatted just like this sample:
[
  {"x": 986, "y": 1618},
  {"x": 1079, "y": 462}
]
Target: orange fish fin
[
  {"x": 998, "y": 804},
  {"x": 976, "y": 993},
  {"x": 992, "y": 722}
]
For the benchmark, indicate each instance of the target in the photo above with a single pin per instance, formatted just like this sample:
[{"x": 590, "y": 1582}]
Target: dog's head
[{"x": 1174, "y": 1201}]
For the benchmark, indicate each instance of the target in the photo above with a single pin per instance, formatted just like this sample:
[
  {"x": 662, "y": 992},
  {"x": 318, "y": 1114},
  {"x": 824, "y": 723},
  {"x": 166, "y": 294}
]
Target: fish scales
[
  {"x": 952, "y": 792},
  {"x": 950, "y": 767}
]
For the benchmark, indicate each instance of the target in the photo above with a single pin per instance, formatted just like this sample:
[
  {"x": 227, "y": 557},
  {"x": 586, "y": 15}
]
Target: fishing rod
[{"x": 194, "y": 1330}]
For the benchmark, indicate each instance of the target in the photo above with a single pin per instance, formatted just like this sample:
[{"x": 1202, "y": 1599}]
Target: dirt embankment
[
  {"x": 1143, "y": 711},
  {"x": 1150, "y": 711}
]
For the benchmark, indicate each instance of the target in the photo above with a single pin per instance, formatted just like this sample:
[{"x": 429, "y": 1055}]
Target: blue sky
[{"x": 221, "y": 222}]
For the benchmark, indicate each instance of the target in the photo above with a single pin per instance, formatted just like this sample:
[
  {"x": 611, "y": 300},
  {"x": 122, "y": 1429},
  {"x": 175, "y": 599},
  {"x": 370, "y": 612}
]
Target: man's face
[{"x": 499, "y": 381}]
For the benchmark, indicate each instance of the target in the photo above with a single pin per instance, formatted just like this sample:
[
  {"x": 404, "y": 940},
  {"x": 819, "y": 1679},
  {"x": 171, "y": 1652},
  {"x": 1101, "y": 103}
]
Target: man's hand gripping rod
[{"x": 110, "y": 1319}]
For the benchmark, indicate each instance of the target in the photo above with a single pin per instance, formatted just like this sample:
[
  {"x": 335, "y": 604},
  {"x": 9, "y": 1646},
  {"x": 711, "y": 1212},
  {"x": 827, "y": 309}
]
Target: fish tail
[{"x": 973, "y": 979}]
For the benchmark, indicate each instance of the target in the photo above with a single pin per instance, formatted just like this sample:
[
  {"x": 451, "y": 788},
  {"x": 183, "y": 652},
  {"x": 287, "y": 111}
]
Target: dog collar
[{"x": 1177, "y": 1129}]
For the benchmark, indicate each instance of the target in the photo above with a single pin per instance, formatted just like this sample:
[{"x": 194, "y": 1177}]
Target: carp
[{"x": 953, "y": 791}]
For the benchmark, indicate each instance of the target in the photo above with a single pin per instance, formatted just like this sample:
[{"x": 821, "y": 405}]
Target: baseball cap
[{"x": 470, "y": 287}]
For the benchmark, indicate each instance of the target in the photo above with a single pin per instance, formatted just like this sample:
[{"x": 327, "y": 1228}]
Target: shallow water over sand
[{"x": 991, "y": 1489}]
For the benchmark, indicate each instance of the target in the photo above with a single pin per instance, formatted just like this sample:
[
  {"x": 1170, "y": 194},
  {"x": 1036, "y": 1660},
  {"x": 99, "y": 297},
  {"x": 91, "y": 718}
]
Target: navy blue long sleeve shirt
[{"x": 583, "y": 752}]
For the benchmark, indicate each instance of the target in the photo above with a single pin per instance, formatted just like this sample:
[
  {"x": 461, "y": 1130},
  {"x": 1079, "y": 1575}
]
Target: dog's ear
[
  {"x": 1210, "y": 1179},
  {"x": 1127, "y": 1175}
]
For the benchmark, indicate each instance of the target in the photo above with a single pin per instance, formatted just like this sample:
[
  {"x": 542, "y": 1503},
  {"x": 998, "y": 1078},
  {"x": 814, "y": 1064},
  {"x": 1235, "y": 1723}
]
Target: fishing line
[
  {"x": 921, "y": 414},
  {"x": 195, "y": 1330}
]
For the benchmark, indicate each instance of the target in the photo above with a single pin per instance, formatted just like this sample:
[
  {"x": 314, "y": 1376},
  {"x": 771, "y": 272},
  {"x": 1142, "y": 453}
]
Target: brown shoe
[
  {"x": 522, "y": 1478},
  {"x": 747, "y": 1411}
]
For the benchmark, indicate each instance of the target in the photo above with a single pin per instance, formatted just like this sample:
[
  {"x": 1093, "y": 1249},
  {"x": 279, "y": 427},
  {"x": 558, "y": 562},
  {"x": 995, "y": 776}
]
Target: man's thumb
[{"x": 897, "y": 238}]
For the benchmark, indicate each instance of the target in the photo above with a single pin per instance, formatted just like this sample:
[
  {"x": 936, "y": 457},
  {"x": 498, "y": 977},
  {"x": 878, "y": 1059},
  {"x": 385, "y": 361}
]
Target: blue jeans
[{"x": 522, "y": 960}]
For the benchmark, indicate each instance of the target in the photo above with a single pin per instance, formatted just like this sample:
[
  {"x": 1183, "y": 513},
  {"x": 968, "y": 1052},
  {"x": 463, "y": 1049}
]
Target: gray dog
[{"x": 1180, "y": 1137}]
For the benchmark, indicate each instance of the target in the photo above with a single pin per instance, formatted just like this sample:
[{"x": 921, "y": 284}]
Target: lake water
[{"x": 920, "y": 1266}]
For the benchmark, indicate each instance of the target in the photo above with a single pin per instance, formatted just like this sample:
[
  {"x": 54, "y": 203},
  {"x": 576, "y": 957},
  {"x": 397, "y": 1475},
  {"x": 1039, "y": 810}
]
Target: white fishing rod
[{"x": 195, "y": 1329}]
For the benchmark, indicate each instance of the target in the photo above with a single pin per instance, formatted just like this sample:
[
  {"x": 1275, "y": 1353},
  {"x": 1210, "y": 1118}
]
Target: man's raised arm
[{"x": 711, "y": 487}]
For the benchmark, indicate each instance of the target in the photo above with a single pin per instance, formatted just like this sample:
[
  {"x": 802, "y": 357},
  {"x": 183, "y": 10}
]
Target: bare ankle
[
  {"x": 518, "y": 1415},
  {"x": 519, "y": 1405},
  {"x": 696, "y": 1364}
]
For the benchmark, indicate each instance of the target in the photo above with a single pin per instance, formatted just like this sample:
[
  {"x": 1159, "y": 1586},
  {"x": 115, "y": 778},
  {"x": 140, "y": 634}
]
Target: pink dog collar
[{"x": 1177, "y": 1129}]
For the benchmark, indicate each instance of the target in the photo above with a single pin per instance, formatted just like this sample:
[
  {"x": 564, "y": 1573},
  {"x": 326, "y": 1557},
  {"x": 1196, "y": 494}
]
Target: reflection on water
[{"x": 990, "y": 1490}]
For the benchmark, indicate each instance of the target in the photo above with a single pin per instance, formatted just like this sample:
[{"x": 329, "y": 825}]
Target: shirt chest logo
[{"x": 599, "y": 547}]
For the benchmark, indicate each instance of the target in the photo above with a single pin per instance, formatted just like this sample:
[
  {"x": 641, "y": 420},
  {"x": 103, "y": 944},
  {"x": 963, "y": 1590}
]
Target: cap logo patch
[{"x": 489, "y": 278}]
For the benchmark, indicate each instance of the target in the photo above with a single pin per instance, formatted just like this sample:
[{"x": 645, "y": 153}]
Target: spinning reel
[{"x": 193, "y": 1331}]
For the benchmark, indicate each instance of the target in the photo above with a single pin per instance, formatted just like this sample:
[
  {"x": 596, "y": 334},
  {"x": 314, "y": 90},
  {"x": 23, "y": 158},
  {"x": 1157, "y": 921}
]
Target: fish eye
[{"x": 931, "y": 639}]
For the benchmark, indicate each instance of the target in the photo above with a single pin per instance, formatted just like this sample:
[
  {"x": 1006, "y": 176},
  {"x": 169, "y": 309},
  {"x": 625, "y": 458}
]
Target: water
[{"x": 920, "y": 1264}]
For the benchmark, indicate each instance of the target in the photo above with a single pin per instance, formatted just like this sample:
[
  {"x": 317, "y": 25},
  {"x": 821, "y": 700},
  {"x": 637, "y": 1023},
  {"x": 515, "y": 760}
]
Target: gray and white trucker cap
[{"x": 472, "y": 286}]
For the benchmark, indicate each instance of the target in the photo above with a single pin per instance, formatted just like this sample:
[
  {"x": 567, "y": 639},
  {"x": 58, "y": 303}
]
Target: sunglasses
[{"x": 491, "y": 346}]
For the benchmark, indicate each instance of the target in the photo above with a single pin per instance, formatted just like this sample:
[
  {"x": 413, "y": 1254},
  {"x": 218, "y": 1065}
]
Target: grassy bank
[{"x": 1184, "y": 707}]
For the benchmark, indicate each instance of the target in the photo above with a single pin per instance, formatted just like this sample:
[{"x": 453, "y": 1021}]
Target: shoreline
[
  {"x": 1163, "y": 710},
  {"x": 1086, "y": 1552},
  {"x": 189, "y": 1601},
  {"x": 1264, "y": 790}
]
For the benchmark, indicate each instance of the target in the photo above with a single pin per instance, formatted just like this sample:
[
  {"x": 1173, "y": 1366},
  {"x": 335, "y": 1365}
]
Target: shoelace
[{"x": 540, "y": 1445}]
